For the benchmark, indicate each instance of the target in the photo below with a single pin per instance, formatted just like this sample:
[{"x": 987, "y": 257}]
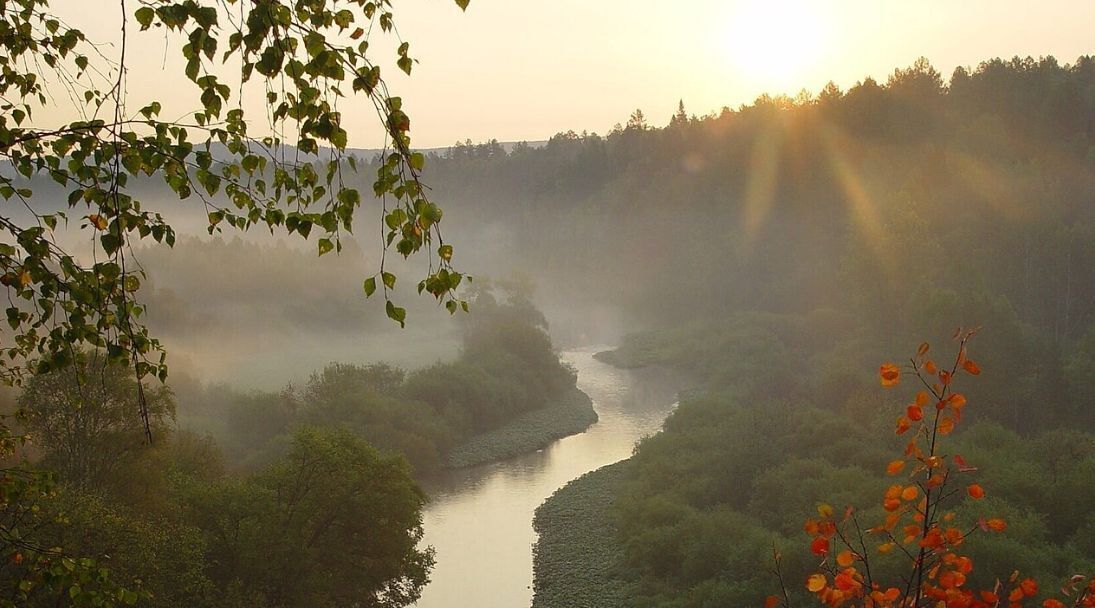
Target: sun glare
[{"x": 776, "y": 44}]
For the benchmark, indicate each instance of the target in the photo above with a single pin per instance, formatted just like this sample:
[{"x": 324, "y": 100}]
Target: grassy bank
[
  {"x": 577, "y": 550},
  {"x": 569, "y": 414}
]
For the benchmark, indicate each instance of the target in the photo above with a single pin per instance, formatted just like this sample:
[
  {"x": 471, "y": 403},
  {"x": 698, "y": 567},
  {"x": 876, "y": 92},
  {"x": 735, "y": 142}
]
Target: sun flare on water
[{"x": 777, "y": 45}]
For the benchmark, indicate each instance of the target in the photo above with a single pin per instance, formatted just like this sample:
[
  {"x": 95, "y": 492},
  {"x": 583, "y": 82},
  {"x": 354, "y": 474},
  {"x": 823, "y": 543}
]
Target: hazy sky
[{"x": 517, "y": 69}]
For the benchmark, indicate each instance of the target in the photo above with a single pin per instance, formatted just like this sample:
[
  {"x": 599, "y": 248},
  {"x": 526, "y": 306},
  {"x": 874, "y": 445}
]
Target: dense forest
[
  {"x": 848, "y": 200},
  {"x": 823, "y": 235}
]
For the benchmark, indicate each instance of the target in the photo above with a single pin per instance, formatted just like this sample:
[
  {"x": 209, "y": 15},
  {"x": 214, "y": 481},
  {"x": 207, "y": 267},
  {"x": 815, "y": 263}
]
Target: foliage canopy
[{"x": 291, "y": 176}]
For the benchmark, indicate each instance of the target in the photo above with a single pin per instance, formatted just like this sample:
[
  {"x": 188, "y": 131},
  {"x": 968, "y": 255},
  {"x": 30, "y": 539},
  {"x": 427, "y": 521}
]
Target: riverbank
[
  {"x": 570, "y": 414},
  {"x": 577, "y": 550}
]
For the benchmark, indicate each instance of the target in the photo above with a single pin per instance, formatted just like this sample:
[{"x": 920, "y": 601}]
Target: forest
[
  {"x": 981, "y": 216},
  {"x": 305, "y": 496}
]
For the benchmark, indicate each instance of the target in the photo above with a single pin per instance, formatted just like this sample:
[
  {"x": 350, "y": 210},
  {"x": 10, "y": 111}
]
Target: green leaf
[
  {"x": 463, "y": 4},
  {"x": 396, "y": 313},
  {"x": 145, "y": 15},
  {"x": 389, "y": 279},
  {"x": 325, "y": 246},
  {"x": 370, "y": 286}
]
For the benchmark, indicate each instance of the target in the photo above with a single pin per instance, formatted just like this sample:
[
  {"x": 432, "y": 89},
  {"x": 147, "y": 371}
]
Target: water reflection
[{"x": 480, "y": 519}]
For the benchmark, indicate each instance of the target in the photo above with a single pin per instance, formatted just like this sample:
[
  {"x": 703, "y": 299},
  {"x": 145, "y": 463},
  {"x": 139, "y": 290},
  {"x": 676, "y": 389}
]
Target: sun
[{"x": 776, "y": 44}]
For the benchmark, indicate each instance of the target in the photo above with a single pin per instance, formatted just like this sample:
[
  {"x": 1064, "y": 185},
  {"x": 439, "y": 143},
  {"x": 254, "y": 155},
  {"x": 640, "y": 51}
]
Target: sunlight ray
[
  {"x": 862, "y": 209},
  {"x": 761, "y": 188}
]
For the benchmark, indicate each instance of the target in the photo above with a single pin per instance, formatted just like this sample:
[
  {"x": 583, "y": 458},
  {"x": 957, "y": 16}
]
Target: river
[{"x": 479, "y": 519}]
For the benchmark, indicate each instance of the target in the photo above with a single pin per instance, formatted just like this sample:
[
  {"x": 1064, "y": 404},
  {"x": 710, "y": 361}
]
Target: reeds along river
[{"x": 479, "y": 519}]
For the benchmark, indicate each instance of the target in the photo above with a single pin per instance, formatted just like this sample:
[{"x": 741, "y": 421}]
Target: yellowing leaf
[
  {"x": 825, "y": 510},
  {"x": 816, "y": 583},
  {"x": 98, "y": 221},
  {"x": 910, "y": 493},
  {"x": 889, "y": 375}
]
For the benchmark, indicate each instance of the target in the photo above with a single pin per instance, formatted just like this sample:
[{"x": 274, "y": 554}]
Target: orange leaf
[
  {"x": 945, "y": 378},
  {"x": 1052, "y": 603},
  {"x": 934, "y": 538},
  {"x": 895, "y": 467},
  {"x": 922, "y": 398},
  {"x": 816, "y": 582},
  {"x": 946, "y": 425},
  {"x": 923, "y": 350},
  {"x": 845, "y": 558},
  {"x": 885, "y": 547},
  {"x": 949, "y": 579},
  {"x": 820, "y": 546},
  {"x": 957, "y": 400},
  {"x": 910, "y": 493},
  {"x": 889, "y": 375},
  {"x": 771, "y": 601},
  {"x": 953, "y": 535},
  {"x": 996, "y": 525},
  {"x": 902, "y": 425},
  {"x": 976, "y": 492},
  {"x": 845, "y": 581},
  {"x": 1029, "y": 587},
  {"x": 929, "y": 366},
  {"x": 971, "y": 367},
  {"x": 914, "y": 412}
]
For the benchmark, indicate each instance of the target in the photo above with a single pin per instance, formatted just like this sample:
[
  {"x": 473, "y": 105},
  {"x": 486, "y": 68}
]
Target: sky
[{"x": 520, "y": 70}]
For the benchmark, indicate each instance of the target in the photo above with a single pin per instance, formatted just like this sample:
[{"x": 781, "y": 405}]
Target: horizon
[{"x": 482, "y": 76}]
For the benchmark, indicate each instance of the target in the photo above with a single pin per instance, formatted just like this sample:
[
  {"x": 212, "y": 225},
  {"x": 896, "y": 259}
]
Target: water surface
[{"x": 480, "y": 519}]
